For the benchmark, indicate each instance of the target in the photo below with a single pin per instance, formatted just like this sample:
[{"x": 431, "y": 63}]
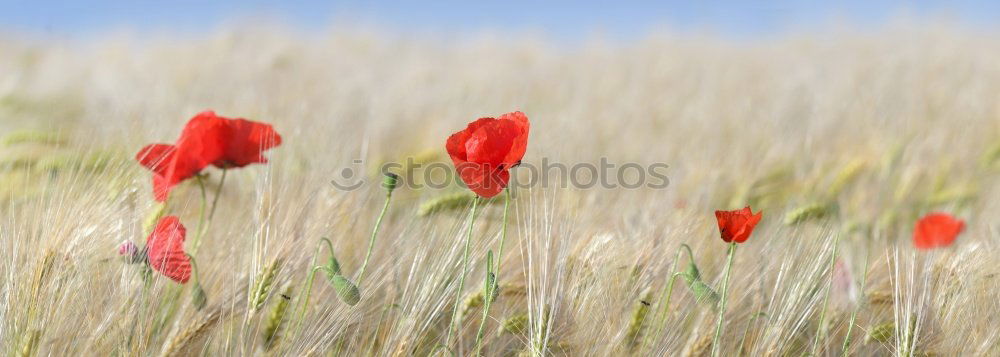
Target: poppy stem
[
  {"x": 668, "y": 290},
  {"x": 194, "y": 269},
  {"x": 496, "y": 274},
  {"x": 822, "y": 312},
  {"x": 722, "y": 303},
  {"x": 218, "y": 193},
  {"x": 307, "y": 289},
  {"x": 203, "y": 221},
  {"x": 371, "y": 241},
  {"x": 201, "y": 218},
  {"x": 465, "y": 271}
]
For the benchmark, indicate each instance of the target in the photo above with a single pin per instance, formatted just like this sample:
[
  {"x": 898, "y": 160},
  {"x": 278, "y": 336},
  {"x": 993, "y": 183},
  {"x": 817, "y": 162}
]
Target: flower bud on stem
[
  {"x": 668, "y": 290},
  {"x": 198, "y": 296},
  {"x": 389, "y": 182},
  {"x": 333, "y": 266}
]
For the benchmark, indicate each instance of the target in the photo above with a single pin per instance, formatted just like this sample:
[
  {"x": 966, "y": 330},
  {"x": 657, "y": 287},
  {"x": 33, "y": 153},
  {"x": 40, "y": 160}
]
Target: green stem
[
  {"x": 822, "y": 313},
  {"x": 496, "y": 274},
  {"x": 465, "y": 271},
  {"x": 203, "y": 221},
  {"x": 371, "y": 241},
  {"x": 307, "y": 289},
  {"x": 503, "y": 232},
  {"x": 854, "y": 314},
  {"x": 201, "y": 217},
  {"x": 194, "y": 268},
  {"x": 218, "y": 193},
  {"x": 668, "y": 290},
  {"x": 722, "y": 303}
]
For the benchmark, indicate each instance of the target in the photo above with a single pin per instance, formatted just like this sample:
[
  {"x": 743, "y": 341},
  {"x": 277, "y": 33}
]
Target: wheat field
[{"x": 842, "y": 139}]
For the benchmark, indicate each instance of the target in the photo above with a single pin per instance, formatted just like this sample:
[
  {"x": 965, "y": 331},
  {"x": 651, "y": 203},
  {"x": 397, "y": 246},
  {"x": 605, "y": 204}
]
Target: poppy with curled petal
[
  {"x": 165, "y": 250},
  {"x": 936, "y": 230},
  {"x": 207, "y": 139},
  {"x": 225, "y": 142},
  {"x": 485, "y": 151},
  {"x": 736, "y": 226},
  {"x": 169, "y": 167}
]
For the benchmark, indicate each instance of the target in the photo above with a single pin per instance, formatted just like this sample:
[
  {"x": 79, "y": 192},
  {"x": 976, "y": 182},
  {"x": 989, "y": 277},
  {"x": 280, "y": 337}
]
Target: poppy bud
[
  {"x": 389, "y": 181},
  {"x": 198, "y": 297},
  {"x": 704, "y": 293},
  {"x": 130, "y": 252},
  {"x": 346, "y": 290},
  {"x": 127, "y": 248},
  {"x": 333, "y": 267},
  {"x": 692, "y": 273}
]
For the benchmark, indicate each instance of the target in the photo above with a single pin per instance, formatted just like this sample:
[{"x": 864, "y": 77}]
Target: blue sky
[{"x": 559, "y": 19}]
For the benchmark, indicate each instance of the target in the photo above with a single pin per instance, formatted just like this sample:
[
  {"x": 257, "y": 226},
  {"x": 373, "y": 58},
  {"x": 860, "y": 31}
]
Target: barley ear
[
  {"x": 30, "y": 345},
  {"x": 264, "y": 283},
  {"x": 515, "y": 325},
  {"x": 882, "y": 333},
  {"x": 471, "y": 302},
  {"x": 638, "y": 322},
  {"x": 453, "y": 202},
  {"x": 276, "y": 320},
  {"x": 812, "y": 211},
  {"x": 182, "y": 344},
  {"x": 32, "y": 136},
  {"x": 450, "y": 202}
]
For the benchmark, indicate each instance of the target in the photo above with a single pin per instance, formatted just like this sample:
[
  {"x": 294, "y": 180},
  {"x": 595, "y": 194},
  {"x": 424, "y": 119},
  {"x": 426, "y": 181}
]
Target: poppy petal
[
  {"x": 166, "y": 250},
  {"x": 224, "y": 142},
  {"x": 737, "y": 226},
  {"x": 482, "y": 179},
  {"x": 486, "y": 149},
  {"x": 155, "y": 157},
  {"x": 520, "y": 142},
  {"x": 937, "y": 230}
]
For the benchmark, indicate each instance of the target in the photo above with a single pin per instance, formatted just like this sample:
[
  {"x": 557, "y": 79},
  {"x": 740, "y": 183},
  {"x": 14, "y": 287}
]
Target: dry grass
[{"x": 836, "y": 134}]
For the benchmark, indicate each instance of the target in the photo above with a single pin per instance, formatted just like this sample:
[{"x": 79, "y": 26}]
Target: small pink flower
[{"x": 127, "y": 248}]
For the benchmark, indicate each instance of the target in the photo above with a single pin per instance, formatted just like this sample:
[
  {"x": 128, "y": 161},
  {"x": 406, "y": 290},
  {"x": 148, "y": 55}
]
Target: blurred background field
[{"x": 849, "y": 132}]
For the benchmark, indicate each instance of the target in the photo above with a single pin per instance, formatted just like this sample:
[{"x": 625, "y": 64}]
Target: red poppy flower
[
  {"x": 169, "y": 167},
  {"x": 165, "y": 250},
  {"x": 737, "y": 225},
  {"x": 207, "y": 139},
  {"x": 936, "y": 230},
  {"x": 225, "y": 142},
  {"x": 485, "y": 151}
]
